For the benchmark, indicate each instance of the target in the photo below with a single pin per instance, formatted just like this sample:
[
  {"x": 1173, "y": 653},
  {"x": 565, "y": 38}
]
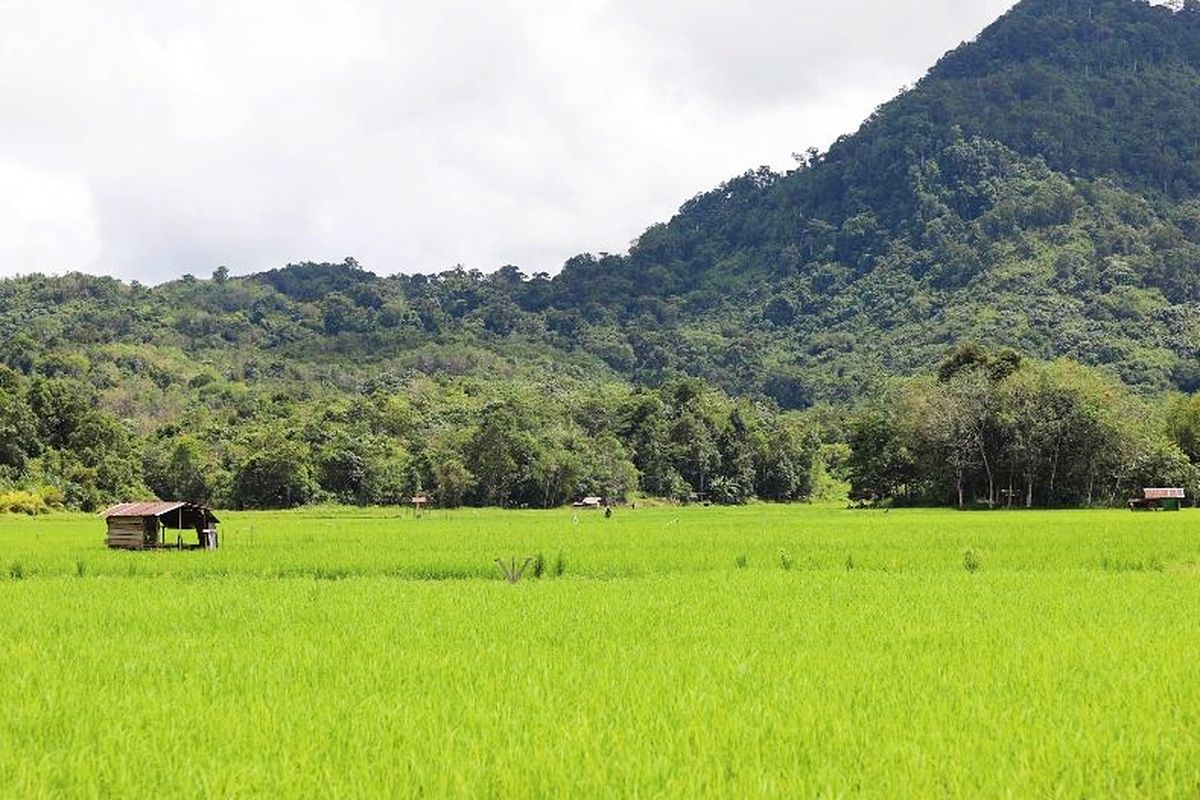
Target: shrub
[
  {"x": 53, "y": 497},
  {"x": 971, "y": 561},
  {"x": 23, "y": 502},
  {"x": 785, "y": 559}
]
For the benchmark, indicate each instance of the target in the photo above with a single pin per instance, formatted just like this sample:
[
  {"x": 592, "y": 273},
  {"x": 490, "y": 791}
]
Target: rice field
[{"x": 762, "y": 651}]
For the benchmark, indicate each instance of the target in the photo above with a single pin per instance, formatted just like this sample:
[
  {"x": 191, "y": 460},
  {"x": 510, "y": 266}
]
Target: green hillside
[{"x": 1036, "y": 189}]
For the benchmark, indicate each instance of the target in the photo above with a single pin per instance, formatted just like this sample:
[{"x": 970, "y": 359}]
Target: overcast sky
[{"x": 149, "y": 139}]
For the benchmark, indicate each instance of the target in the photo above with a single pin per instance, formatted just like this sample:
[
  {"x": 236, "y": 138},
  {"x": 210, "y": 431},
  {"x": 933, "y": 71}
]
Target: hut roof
[
  {"x": 155, "y": 508},
  {"x": 1165, "y": 494}
]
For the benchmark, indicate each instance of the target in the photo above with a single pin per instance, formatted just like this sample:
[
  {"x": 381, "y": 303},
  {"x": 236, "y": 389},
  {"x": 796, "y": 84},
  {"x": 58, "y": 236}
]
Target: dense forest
[{"x": 783, "y": 334}]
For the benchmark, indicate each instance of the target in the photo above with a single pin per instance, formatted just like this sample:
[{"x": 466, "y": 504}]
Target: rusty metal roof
[
  {"x": 150, "y": 509},
  {"x": 1165, "y": 494}
]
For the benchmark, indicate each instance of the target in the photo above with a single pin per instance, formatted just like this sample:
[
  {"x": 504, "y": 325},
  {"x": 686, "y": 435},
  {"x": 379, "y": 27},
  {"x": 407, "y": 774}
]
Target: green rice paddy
[{"x": 762, "y": 651}]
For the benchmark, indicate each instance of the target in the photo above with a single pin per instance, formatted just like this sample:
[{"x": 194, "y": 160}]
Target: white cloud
[
  {"x": 47, "y": 221},
  {"x": 151, "y": 139}
]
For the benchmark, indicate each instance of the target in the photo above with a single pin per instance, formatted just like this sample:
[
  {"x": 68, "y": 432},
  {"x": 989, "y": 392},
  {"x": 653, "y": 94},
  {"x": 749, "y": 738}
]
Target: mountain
[{"x": 1037, "y": 190}]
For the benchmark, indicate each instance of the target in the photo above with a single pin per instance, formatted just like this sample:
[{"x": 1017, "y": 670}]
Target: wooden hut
[
  {"x": 1158, "y": 500},
  {"x": 144, "y": 526}
]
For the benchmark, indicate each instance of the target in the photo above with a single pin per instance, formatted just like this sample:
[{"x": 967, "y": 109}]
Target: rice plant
[
  {"x": 328, "y": 656},
  {"x": 971, "y": 560}
]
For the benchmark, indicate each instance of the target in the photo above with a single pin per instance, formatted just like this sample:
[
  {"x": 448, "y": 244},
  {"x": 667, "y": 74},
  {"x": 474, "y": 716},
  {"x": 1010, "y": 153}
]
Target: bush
[
  {"x": 23, "y": 502},
  {"x": 53, "y": 497},
  {"x": 275, "y": 477},
  {"x": 785, "y": 560},
  {"x": 971, "y": 560}
]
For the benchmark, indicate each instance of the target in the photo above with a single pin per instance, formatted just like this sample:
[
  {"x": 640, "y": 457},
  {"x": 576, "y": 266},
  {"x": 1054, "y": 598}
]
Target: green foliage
[
  {"x": 32, "y": 503},
  {"x": 452, "y": 480},
  {"x": 275, "y": 476},
  {"x": 1053, "y": 434},
  {"x": 1183, "y": 425},
  {"x": 971, "y": 560},
  {"x": 18, "y": 438},
  {"x": 180, "y": 467},
  {"x": 786, "y": 562}
]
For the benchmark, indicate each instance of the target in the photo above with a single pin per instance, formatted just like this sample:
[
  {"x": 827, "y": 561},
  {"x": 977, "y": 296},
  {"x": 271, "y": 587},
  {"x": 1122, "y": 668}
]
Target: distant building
[
  {"x": 1158, "y": 500},
  {"x": 144, "y": 526},
  {"x": 589, "y": 502}
]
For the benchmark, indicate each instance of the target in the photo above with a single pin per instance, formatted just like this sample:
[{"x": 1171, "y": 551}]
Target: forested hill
[{"x": 1037, "y": 190}]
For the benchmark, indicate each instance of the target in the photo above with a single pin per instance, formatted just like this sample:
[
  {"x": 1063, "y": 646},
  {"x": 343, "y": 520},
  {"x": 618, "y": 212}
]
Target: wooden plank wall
[{"x": 128, "y": 533}]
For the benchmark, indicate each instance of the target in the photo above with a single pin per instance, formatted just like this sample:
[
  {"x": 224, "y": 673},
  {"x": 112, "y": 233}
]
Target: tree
[
  {"x": 391, "y": 479},
  {"x": 452, "y": 480},
  {"x": 342, "y": 470},
  {"x": 784, "y": 461},
  {"x": 883, "y": 440},
  {"x": 1026, "y": 417},
  {"x": 1183, "y": 425},
  {"x": 966, "y": 357},
  {"x": 556, "y": 472},
  {"x": 735, "y": 445},
  {"x": 178, "y": 468},
  {"x": 606, "y": 470},
  {"x": 60, "y": 407},
  {"x": 694, "y": 454},
  {"x": 339, "y": 314},
  {"x": 948, "y": 426},
  {"x": 500, "y": 455},
  {"x": 18, "y": 431},
  {"x": 276, "y": 476},
  {"x": 779, "y": 311},
  {"x": 971, "y": 410}
]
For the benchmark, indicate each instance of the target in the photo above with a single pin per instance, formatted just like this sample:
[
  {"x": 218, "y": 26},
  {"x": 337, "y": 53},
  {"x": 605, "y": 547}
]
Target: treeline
[
  {"x": 463, "y": 442},
  {"x": 988, "y": 429},
  {"x": 996, "y": 430}
]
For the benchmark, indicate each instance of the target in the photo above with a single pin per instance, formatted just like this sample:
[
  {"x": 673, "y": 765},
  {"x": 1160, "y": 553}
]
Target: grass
[{"x": 663, "y": 652}]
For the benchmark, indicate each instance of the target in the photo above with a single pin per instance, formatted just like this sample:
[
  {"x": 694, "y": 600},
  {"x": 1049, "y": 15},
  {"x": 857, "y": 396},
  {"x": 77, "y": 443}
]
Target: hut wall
[{"x": 131, "y": 533}]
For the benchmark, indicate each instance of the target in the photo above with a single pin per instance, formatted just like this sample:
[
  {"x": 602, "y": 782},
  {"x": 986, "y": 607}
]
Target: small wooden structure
[
  {"x": 593, "y": 503},
  {"x": 1158, "y": 500},
  {"x": 143, "y": 526},
  {"x": 419, "y": 501}
]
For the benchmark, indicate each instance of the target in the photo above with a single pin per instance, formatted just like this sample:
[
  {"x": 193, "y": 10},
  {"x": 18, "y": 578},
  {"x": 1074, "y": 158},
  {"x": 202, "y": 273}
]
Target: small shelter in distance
[
  {"x": 593, "y": 503},
  {"x": 1158, "y": 500},
  {"x": 143, "y": 526}
]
